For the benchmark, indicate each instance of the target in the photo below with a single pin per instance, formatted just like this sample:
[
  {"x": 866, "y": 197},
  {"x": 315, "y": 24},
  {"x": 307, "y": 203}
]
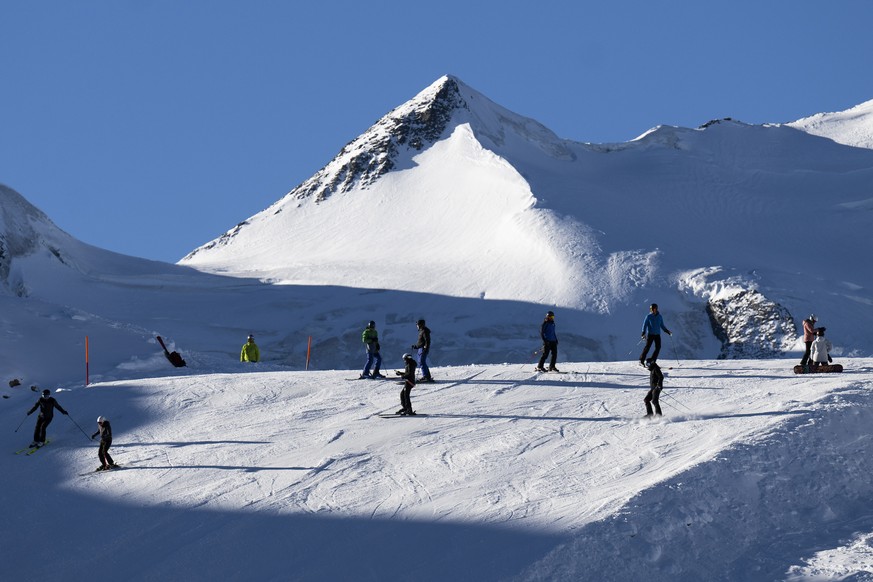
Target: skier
[
  {"x": 550, "y": 343},
  {"x": 821, "y": 348},
  {"x": 423, "y": 347},
  {"x": 808, "y": 337},
  {"x": 250, "y": 351},
  {"x": 46, "y": 405},
  {"x": 104, "y": 429},
  {"x": 370, "y": 338},
  {"x": 656, "y": 384},
  {"x": 408, "y": 375},
  {"x": 652, "y": 326}
]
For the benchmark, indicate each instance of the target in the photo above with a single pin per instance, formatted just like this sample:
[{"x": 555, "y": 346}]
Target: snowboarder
[
  {"x": 46, "y": 405},
  {"x": 104, "y": 429},
  {"x": 821, "y": 348},
  {"x": 423, "y": 347},
  {"x": 250, "y": 351},
  {"x": 408, "y": 375},
  {"x": 370, "y": 338},
  {"x": 550, "y": 343},
  {"x": 809, "y": 330},
  {"x": 656, "y": 384},
  {"x": 652, "y": 326}
]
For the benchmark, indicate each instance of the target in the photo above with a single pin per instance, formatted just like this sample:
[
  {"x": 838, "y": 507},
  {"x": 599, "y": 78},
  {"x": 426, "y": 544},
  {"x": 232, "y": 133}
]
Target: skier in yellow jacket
[{"x": 250, "y": 351}]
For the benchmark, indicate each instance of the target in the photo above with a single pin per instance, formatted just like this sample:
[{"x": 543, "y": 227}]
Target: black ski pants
[
  {"x": 549, "y": 347},
  {"x": 405, "y": 400},
  {"x": 42, "y": 423},
  {"x": 805, "y": 360},
  {"x": 650, "y": 339},
  {"x": 103, "y": 453},
  {"x": 651, "y": 399}
]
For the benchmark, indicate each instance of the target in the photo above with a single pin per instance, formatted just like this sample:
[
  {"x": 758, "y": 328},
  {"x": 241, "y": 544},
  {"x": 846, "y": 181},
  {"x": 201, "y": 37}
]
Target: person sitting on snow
[{"x": 821, "y": 348}]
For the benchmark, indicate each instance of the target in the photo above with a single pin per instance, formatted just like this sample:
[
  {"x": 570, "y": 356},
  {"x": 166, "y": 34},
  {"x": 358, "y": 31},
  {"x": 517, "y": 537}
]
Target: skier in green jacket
[
  {"x": 370, "y": 338},
  {"x": 250, "y": 351}
]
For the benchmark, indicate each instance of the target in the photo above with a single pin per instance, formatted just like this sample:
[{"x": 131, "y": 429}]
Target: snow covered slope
[
  {"x": 753, "y": 474},
  {"x": 853, "y": 127},
  {"x": 451, "y": 194}
]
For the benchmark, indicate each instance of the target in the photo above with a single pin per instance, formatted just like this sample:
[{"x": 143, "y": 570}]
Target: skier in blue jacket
[
  {"x": 652, "y": 326},
  {"x": 550, "y": 343}
]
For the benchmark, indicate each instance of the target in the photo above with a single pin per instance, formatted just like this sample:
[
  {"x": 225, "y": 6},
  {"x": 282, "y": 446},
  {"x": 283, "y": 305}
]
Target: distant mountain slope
[
  {"x": 853, "y": 127},
  {"x": 452, "y": 194}
]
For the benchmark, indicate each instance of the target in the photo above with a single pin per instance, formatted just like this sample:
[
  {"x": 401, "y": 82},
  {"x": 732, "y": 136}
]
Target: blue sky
[{"x": 149, "y": 128}]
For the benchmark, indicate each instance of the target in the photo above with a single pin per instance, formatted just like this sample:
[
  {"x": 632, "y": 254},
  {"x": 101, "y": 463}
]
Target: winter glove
[{"x": 830, "y": 359}]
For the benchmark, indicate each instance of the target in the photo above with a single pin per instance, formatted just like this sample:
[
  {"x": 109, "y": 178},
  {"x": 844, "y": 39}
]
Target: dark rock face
[
  {"x": 751, "y": 326},
  {"x": 413, "y": 126}
]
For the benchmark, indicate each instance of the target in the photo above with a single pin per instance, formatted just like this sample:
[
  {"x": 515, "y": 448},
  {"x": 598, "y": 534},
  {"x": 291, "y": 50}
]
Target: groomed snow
[{"x": 754, "y": 473}]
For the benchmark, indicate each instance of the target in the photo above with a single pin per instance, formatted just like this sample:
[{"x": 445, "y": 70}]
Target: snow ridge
[{"x": 853, "y": 127}]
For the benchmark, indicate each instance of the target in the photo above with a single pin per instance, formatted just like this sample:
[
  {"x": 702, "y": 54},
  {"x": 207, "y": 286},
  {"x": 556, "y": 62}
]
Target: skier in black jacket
[
  {"x": 408, "y": 376},
  {"x": 46, "y": 405},
  {"x": 656, "y": 384},
  {"x": 423, "y": 347},
  {"x": 104, "y": 429}
]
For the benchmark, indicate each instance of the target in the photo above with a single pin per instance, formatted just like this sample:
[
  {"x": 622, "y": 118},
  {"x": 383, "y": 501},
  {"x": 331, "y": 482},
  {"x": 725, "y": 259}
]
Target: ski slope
[{"x": 753, "y": 473}]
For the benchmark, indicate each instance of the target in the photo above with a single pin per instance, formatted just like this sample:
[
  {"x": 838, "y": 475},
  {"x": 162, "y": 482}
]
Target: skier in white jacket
[{"x": 821, "y": 348}]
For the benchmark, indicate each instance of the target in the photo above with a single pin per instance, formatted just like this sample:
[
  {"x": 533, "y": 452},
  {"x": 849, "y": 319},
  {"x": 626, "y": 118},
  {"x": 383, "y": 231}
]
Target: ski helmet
[
  {"x": 550, "y": 314},
  {"x": 812, "y": 317},
  {"x": 407, "y": 357},
  {"x": 101, "y": 420},
  {"x": 251, "y": 337},
  {"x": 420, "y": 323},
  {"x": 653, "y": 306},
  {"x": 46, "y": 392},
  {"x": 371, "y": 324}
]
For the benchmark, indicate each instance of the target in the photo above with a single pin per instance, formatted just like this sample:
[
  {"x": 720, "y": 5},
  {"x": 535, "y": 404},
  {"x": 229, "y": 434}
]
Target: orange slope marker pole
[{"x": 308, "y": 351}]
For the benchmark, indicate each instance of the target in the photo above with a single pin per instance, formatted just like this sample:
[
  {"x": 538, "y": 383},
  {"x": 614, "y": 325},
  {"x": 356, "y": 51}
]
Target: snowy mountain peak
[
  {"x": 408, "y": 128},
  {"x": 393, "y": 141}
]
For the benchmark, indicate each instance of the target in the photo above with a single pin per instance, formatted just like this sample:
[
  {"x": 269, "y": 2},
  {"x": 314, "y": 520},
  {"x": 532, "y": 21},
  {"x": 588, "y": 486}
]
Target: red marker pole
[
  {"x": 87, "y": 363},
  {"x": 308, "y": 351}
]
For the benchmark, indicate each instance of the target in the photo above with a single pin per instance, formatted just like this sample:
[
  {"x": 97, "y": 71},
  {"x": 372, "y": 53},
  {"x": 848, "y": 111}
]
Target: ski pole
[
  {"x": 22, "y": 422},
  {"x": 79, "y": 427},
  {"x": 678, "y": 365},
  {"x": 636, "y": 346},
  {"x": 667, "y": 394}
]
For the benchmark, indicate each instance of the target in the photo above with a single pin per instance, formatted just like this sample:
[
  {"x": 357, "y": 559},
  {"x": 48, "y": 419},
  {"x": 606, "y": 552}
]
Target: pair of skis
[{"x": 29, "y": 450}]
